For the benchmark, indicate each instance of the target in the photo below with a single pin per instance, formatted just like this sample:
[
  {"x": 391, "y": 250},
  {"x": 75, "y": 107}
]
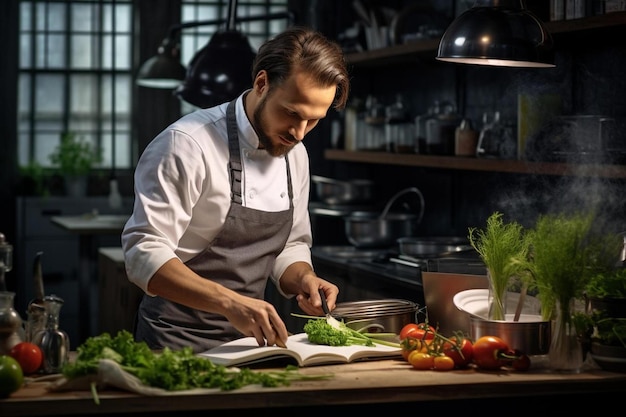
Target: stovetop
[{"x": 389, "y": 262}]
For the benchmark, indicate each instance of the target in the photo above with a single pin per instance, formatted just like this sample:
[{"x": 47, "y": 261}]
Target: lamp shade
[
  {"x": 163, "y": 70},
  {"x": 502, "y": 35},
  {"x": 220, "y": 71}
]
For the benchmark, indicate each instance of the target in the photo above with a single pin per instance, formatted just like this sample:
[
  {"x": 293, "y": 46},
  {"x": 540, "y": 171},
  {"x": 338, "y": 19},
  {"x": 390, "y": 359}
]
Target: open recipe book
[{"x": 246, "y": 351}]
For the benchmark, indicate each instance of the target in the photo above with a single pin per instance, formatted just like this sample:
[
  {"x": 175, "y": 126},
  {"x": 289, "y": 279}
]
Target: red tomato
[
  {"x": 522, "y": 363},
  {"x": 417, "y": 331},
  {"x": 28, "y": 355},
  {"x": 460, "y": 350},
  {"x": 518, "y": 360},
  {"x": 407, "y": 329},
  {"x": 488, "y": 351}
]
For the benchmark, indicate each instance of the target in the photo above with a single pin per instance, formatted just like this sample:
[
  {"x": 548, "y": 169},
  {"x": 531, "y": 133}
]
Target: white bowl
[{"x": 475, "y": 302}]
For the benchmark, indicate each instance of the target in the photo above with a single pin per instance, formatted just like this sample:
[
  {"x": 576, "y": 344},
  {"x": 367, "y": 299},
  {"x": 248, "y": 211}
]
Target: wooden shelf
[
  {"x": 478, "y": 164},
  {"x": 428, "y": 48}
]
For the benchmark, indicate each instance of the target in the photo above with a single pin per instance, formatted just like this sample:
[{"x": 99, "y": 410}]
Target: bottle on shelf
[{"x": 465, "y": 139}]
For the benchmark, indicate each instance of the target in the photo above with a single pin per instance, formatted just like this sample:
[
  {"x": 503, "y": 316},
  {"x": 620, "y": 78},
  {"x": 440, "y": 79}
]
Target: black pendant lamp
[
  {"x": 497, "y": 33},
  {"x": 163, "y": 70},
  {"x": 221, "y": 70}
]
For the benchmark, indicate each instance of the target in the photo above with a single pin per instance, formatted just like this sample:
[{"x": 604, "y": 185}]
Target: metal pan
[
  {"x": 433, "y": 247},
  {"x": 333, "y": 191},
  {"x": 369, "y": 230}
]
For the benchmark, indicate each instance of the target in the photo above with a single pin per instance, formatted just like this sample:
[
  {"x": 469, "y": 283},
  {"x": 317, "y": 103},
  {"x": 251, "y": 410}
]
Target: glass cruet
[
  {"x": 54, "y": 342},
  {"x": 11, "y": 329},
  {"x": 35, "y": 321}
]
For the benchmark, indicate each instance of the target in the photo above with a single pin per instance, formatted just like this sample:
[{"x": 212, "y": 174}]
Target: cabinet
[
  {"x": 566, "y": 32},
  {"x": 60, "y": 260},
  {"x": 118, "y": 297}
]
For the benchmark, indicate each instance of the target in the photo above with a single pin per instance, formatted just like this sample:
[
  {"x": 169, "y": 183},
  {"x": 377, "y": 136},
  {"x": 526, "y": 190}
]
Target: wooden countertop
[{"x": 386, "y": 385}]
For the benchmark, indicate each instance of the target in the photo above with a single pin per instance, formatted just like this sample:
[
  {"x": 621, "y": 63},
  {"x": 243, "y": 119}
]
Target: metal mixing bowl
[
  {"x": 377, "y": 316},
  {"x": 531, "y": 335}
]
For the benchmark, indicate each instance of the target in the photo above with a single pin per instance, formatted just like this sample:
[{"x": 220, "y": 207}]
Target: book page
[{"x": 246, "y": 350}]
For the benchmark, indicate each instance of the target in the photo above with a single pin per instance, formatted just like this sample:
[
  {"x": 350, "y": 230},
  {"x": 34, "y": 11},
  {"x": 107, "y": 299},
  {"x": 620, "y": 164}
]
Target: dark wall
[
  {"x": 8, "y": 118},
  {"x": 588, "y": 78}
]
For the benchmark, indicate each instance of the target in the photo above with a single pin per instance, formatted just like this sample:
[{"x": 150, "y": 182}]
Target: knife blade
[
  {"x": 324, "y": 304},
  {"x": 38, "y": 278}
]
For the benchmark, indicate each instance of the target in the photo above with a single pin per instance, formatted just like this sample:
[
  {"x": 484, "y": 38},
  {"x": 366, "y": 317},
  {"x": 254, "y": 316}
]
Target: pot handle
[{"x": 400, "y": 193}]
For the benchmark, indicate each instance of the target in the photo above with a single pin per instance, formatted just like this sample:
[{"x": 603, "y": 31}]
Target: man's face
[{"x": 286, "y": 113}]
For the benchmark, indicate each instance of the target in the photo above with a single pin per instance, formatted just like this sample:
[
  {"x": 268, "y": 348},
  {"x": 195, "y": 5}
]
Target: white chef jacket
[{"x": 182, "y": 193}]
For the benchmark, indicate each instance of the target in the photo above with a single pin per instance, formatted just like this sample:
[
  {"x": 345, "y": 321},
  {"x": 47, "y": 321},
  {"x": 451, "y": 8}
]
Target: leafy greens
[{"x": 169, "y": 369}]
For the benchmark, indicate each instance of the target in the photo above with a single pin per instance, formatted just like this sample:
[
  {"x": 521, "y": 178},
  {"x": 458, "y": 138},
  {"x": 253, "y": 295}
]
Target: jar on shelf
[
  {"x": 399, "y": 134},
  {"x": 440, "y": 130},
  {"x": 465, "y": 139}
]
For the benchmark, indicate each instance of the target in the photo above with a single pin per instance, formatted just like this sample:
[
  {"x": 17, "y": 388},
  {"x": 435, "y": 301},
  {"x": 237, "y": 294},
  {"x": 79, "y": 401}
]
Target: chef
[{"x": 221, "y": 204}]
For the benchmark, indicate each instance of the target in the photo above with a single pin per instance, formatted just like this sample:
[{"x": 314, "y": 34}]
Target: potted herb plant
[
  {"x": 74, "y": 159},
  {"x": 602, "y": 326},
  {"x": 567, "y": 250}
]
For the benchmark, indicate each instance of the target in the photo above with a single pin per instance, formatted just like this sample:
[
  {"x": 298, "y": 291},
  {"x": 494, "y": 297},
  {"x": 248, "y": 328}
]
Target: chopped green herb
[{"x": 171, "y": 370}]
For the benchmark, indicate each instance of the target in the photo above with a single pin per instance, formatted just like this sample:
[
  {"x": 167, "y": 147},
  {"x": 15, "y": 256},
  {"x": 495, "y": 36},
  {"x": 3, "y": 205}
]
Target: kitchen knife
[
  {"x": 36, "y": 310},
  {"x": 324, "y": 304},
  {"x": 38, "y": 277}
]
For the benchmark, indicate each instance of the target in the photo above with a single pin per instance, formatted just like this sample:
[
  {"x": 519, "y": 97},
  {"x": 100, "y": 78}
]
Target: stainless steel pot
[
  {"x": 368, "y": 230},
  {"x": 377, "y": 316},
  {"x": 530, "y": 335},
  {"x": 331, "y": 191},
  {"x": 371, "y": 229}
]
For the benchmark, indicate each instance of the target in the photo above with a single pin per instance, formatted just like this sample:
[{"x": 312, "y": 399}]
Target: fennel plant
[{"x": 504, "y": 248}]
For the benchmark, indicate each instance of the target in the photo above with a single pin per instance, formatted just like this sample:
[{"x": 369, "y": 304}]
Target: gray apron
[{"x": 240, "y": 257}]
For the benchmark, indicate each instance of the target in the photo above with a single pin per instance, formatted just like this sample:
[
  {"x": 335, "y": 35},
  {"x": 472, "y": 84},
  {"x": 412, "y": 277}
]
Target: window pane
[
  {"x": 83, "y": 95},
  {"x": 23, "y": 99},
  {"x": 122, "y": 52},
  {"x": 45, "y": 142},
  {"x": 49, "y": 95},
  {"x": 122, "y": 150},
  {"x": 123, "y": 18},
  {"x": 26, "y": 15},
  {"x": 26, "y": 48},
  {"x": 82, "y": 53},
  {"x": 83, "y": 18},
  {"x": 123, "y": 91},
  {"x": 54, "y": 52},
  {"x": 55, "y": 18}
]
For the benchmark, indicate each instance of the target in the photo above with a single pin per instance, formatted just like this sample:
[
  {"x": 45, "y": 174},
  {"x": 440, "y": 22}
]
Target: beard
[{"x": 259, "y": 123}]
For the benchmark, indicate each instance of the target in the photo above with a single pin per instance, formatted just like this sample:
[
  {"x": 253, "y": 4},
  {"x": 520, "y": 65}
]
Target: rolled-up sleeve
[{"x": 168, "y": 182}]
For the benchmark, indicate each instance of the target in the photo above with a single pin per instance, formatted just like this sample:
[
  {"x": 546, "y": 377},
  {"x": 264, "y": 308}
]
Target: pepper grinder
[{"x": 54, "y": 342}]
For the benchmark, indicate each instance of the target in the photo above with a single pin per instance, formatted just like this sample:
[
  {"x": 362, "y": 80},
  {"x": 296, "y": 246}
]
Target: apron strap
[{"x": 234, "y": 164}]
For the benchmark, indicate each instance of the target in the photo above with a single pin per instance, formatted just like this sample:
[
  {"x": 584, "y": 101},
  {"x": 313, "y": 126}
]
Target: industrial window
[
  {"x": 76, "y": 69},
  {"x": 75, "y": 75}
]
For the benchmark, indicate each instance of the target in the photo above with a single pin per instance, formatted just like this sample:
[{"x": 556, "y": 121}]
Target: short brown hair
[{"x": 306, "y": 49}]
